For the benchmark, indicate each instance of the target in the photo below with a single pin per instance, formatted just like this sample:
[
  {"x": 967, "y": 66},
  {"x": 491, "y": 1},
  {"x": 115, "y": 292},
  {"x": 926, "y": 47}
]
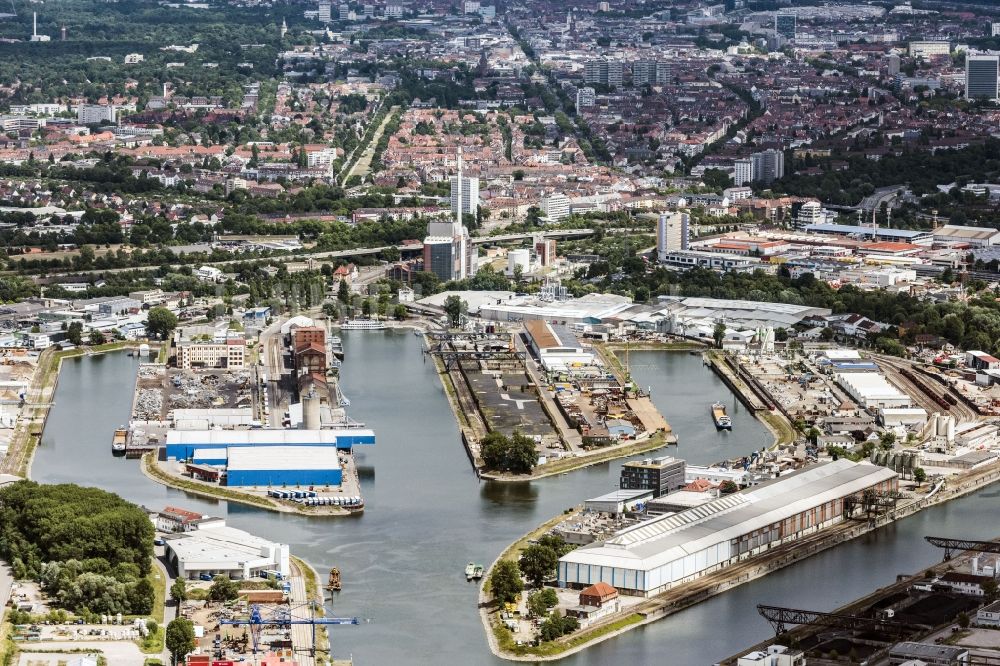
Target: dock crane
[
  {"x": 951, "y": 546},
  {"x": 282, "y": 618}
]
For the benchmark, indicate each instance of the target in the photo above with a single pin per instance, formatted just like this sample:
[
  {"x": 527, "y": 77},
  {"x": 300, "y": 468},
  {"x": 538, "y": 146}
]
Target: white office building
[
  {"x": 810, "y": 213},
  {"x": 929, "y": 49},
  {"x": 469, "y": 193},
  {"x": 585, "y": 98},
  {"x": 671, "y": 234},
  {"x": 775, "y": 655},
  {"x": 555, "y": 206},
  {"x": 743, "y": 172},
  {"x": 324, "y": 12},
  {"x": 95, "y": 114}
]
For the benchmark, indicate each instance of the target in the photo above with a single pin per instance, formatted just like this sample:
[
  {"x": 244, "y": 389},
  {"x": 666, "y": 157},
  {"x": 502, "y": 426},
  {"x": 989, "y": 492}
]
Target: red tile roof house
[{"x": 597, "y": 601}]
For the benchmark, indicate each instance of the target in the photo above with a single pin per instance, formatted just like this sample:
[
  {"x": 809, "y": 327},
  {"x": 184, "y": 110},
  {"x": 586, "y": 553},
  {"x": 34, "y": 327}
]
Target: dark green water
[{"x": 427, "y": 515}]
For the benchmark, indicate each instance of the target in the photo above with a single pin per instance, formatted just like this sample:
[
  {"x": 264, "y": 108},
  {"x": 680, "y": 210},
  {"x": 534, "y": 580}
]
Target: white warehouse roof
[
  {"x": 251, "y": 437},
  {"x": 222, "y": 548},
  {"x": 282, "y": 458},
  {"x": 870, "y": 386}
]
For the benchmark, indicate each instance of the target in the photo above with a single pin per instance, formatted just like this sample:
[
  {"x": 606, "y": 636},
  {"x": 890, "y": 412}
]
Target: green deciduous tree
[
  {"x": 223, "y": 589},
  {"x": 514, "y": 454},
  {"x": 718, "y": 334},
  {"x": 455, "y": 307},
  {"x": 180, "y": 639},
  {"x": 75, "y": 333},
  {"x": 95, "y": 546},
  {"x": 178, "y": 590},
  {"x": 538, "y": 563},
  {"x": 540, "y": 601},
  {"x": 557, "y": 625},
  {"x": 160, "y": 322},
  {"x": 505, "y": 581}
]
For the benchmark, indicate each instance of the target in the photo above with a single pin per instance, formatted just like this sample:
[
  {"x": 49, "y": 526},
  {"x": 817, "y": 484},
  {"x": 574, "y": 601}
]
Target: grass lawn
[
  {"x": 212, "y": 491},
  {"x": 8, "y": 648},
  {"x": 159, "y": 582}
]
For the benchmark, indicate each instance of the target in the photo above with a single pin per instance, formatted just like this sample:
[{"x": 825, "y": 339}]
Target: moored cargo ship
[{"x": 721, "y": 418}]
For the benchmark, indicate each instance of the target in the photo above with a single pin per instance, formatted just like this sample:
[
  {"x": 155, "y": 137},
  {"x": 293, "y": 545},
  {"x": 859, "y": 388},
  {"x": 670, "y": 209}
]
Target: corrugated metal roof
[
  {"x": 209, "y": 454},
  {"x": 253, "y": 437},
  {"x": 672, "y": 537},
  {"x": 277, "y": 458}
]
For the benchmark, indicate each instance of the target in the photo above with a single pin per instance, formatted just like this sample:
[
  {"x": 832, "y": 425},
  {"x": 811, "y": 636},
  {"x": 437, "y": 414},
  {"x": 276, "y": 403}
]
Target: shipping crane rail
[
  {"x": 952, "y": 545},
  {"x": 451, "y": 357},
  {"x": 780, "y": 618}
]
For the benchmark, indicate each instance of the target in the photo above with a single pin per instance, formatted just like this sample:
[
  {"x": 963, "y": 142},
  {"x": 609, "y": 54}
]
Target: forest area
[{"x": 90, "y": 549}]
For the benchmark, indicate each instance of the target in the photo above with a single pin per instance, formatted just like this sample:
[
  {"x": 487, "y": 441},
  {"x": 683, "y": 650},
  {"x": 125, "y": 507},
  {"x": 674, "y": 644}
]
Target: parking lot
[{"x": 120, "y": 654}]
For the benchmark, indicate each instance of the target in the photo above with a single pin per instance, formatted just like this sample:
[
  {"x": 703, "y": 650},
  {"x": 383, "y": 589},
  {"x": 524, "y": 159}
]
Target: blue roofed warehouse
[
  {"x": 182, "y": 444},
  {"x": 284, "y": 466}
]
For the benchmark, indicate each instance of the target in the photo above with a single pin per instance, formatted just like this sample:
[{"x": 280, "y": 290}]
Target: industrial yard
[
  {"x": 541, "y": 381},
  {"x": 879, "y": 439},
  {"x": 947, "y": 613},
  {"x": 272, "y": 434}
]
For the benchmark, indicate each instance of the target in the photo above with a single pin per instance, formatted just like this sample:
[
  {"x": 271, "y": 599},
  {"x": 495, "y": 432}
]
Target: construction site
[{"x": 270, "y": 621}]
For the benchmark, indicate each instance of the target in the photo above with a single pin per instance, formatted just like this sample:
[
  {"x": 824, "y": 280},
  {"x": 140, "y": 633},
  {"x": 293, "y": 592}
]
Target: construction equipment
[{"x": 283, "y": 617}]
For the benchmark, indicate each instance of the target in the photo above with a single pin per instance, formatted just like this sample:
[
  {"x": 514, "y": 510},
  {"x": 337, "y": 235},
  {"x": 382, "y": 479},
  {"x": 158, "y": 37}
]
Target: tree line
[{"x": 90, "y": 549}]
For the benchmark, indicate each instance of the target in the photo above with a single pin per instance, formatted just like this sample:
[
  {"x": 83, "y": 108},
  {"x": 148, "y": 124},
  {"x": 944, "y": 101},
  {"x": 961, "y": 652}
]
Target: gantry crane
[
  {"x": 283, "y": 618},
  {"x": 952, "y": 545}
]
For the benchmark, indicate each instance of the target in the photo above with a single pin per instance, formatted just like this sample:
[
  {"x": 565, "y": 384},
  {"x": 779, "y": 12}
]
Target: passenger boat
[
  {"x": 722, "y": 420},
  {"x": 118, "y": 441},
  {"x": 362, "y": 325},
  {"x": 470, "y": 570}
]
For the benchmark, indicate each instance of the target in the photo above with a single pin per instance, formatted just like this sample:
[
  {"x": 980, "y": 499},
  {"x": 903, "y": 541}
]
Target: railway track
[
  {"x": 35, "y": 407},
  {"x": 961, "y": 411}
]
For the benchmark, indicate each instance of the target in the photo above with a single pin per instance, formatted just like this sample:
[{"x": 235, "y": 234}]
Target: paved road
[
  {"x": 170, "y": 608},
  {"x": 882, "y": 195}
]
